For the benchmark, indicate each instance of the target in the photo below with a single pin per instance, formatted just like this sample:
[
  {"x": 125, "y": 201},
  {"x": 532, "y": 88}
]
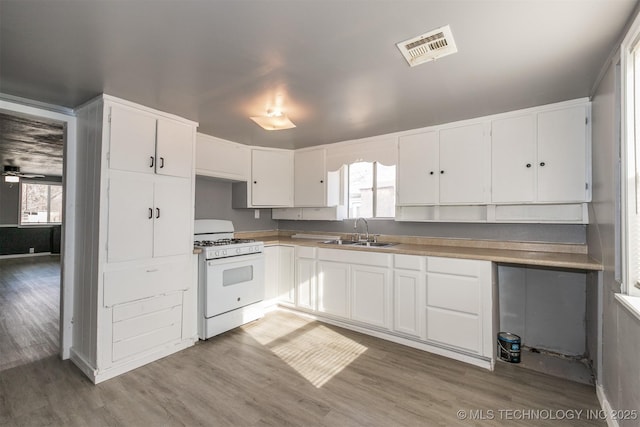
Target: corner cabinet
[{"x": 136, "y": 300}]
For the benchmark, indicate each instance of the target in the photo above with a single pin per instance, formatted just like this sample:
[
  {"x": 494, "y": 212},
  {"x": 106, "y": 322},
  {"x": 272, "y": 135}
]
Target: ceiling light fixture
[
  {"x": 274, "y": 120},
  {"x": 11, "y": 179}
]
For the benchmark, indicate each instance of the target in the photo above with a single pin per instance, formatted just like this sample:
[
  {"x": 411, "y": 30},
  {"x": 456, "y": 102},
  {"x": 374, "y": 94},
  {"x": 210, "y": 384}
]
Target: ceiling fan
[{"x": 14, "y": 171}]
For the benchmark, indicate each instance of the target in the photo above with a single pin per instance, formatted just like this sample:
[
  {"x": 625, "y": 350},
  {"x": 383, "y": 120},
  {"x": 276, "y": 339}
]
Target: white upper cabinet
[
  {"x": 174, "y": 148},
  {"x": 513, "y": 159},
  {"x": 271, "y": 177},
  {"x": 310, "y": 178},
  {"x": 132, "y": 140},
  {"x": 463, "y": 165},
  {"x": 540, "y": 157},
  {"x": 562, "y": 155},
  {"x": 449, "y": 167},
  {"x": 143, "y": 142},
  {"x": 222, "y": 159},
  {"x": 418, "y": 173}
]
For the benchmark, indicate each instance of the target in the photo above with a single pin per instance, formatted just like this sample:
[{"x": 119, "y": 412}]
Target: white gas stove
[{"x": 230, "y": 278}]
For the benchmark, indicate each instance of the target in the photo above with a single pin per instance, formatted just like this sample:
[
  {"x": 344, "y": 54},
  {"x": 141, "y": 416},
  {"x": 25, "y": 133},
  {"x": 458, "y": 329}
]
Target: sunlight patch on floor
[{"x": 318, "y": 353}]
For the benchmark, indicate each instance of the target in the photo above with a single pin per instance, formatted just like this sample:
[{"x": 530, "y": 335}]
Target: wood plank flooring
[{"x": 286, "y": 370}]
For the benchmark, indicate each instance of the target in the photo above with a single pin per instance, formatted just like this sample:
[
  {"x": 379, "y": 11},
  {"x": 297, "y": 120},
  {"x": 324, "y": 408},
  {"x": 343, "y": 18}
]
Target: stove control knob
[
  {"x": 257, "y": 248},
  {"x": 238, "y": 250},
  {"x": 224, "y": 253},
  {"x": 217, "y": 253}
]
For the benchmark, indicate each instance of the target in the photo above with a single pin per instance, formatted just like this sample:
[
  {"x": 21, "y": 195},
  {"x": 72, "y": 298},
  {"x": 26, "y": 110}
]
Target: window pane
[
  {"x": 41, "y": 203},
  {"x": 386, "y": 191},
  {"x": 55, "y": 208},
  {"x": 35, "y": 201},
  {"x": 361, "y": 190}
]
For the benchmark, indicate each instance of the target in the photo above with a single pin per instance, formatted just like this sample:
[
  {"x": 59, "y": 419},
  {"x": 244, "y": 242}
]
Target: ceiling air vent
[{"x": 428, "y": 47}]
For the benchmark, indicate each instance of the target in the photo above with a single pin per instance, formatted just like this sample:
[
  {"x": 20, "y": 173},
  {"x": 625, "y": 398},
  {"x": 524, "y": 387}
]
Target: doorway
[{"x": 49, "y": 269}]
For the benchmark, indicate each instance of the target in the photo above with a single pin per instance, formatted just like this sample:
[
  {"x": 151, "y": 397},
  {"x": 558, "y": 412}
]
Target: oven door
[{"x": 232, "y": 283}]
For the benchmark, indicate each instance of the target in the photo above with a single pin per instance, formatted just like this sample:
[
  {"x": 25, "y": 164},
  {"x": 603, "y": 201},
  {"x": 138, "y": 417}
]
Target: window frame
[
  {"x": 630, "y": 147},
  {"x": 374, "y": 190},
  {"x": 39, "y": 224}
]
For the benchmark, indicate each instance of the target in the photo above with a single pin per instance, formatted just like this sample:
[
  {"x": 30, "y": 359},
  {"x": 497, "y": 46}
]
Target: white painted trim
[
  {"x": 630, "y": 303},
  {"x": 67, "y": 279},
  {"x": 606, "y": 406}
]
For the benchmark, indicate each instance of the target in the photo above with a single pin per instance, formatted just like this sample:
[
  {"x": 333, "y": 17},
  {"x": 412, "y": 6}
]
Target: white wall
[{"x": 620, "y": 376}]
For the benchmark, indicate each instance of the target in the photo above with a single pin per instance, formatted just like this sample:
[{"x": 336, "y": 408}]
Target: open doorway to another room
[{"x": 31, "y": 221}]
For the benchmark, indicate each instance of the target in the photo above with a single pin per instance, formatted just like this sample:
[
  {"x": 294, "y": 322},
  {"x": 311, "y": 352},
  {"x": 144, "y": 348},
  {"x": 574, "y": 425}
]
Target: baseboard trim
[
  {"x": 27, "y": 255},
  {"x": 606, "y": 406}
]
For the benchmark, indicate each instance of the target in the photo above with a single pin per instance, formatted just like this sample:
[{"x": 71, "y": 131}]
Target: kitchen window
[
  {"x": 630, "y": 181},
  {"x": 372, "y": 190},
  {"x": 40, "y": 203}
]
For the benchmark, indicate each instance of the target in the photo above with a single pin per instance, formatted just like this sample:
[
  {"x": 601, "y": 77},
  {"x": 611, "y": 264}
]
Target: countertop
[{"x": 522, "y": 253}]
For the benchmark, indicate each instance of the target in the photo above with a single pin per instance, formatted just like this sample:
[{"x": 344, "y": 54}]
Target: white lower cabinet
[
  {"x": 459, "y": 304},
  {"x": 305, "y": 278},
  {"x": 409, "y": 280},
  {"x": 333, "y": 288},
  {"x": 279, "y": 274},
  {"x": 370, "y": 287}
]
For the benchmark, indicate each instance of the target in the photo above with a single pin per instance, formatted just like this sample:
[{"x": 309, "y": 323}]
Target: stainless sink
[
  {"x": 374, "y": 244},
  {"x": 340, "y": 242}
]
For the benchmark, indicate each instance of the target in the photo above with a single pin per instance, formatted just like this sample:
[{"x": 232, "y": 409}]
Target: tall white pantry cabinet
[{"x": 136, "y": 301}]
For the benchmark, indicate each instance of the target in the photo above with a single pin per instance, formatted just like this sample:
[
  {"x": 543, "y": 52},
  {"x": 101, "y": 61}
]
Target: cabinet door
[
  {"x": 286, "y": 289},
  {"x": 310, "y": 180},
  {"x": 306, "y": 283},
  {"x": 271, "y": 271},
  {"x": 333, "y": 288},
  {"x": 459, "y": 312},
  {"x": 272, "y": 178},
  {"x": 408, "y": 292},
  {"x": 174, "y": 148},
  {"x": 132, "y": 140},
  {"x": 370, "y": 295},
  {"x": 464, "y": 168},
  {"x": 562, "y": 155},
  {"x": 173, "y": 216},
  {"x": 418, "y": 173},
  {"x": 130, "y": 222},
  {"x": 513, "y": 159}
]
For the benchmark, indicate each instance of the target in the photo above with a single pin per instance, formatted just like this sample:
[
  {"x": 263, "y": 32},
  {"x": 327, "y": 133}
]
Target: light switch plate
[{"x": 256, "y": 213}]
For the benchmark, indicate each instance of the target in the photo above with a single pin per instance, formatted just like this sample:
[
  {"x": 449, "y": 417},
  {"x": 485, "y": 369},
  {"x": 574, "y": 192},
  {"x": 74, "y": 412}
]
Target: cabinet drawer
[
  {"x": 408, "y": 262},
  {"x": 459, "y": 293},
  {"x": 148, "y": 341},
  {"x": 455, "y": 329},
  {"x": 139, "y": 308},
  {"x": 305, "y": 252},
  {"x": 147, "y": 323},
  {"x": 459, "y": 267},
  {"x": 146, "y": 281}
]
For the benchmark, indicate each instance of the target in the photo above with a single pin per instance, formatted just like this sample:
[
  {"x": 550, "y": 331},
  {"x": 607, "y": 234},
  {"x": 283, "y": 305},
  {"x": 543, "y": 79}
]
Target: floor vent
[{"x": 428, "y": 47}]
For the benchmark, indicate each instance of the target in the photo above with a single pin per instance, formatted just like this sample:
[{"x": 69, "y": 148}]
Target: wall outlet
[
  {"x": 32, "y": 250},
  {"x": 256, "y": 213}
]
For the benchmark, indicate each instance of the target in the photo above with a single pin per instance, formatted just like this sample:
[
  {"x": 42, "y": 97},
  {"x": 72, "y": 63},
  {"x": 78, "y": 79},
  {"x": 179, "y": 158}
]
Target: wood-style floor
[{"x": 283, "y": 370}]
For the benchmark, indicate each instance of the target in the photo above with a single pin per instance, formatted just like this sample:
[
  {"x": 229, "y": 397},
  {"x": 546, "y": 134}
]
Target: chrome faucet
[{"x": 355, "y": 227}]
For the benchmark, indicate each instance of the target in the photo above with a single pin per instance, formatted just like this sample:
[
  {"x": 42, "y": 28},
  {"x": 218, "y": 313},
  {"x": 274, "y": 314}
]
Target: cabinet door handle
[
  {"x": 441, "y": 172},
  {"x": 431, "y": 173},
  {"x": 150, "y": 213},
  {"x": 542, "y": 163},
  {"x": 528, "y": 165},
  {"x": 321, "y": 181},
  {"x": 161, "y": 162},
  {"x": 152, "y": 161},
  {"x": 157, "y": 212},
  {"x": 255, "y": 182}
]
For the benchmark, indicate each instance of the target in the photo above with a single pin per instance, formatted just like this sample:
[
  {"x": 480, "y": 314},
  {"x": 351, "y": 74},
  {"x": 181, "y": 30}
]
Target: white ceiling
[{"x": 334, "y": 63}]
